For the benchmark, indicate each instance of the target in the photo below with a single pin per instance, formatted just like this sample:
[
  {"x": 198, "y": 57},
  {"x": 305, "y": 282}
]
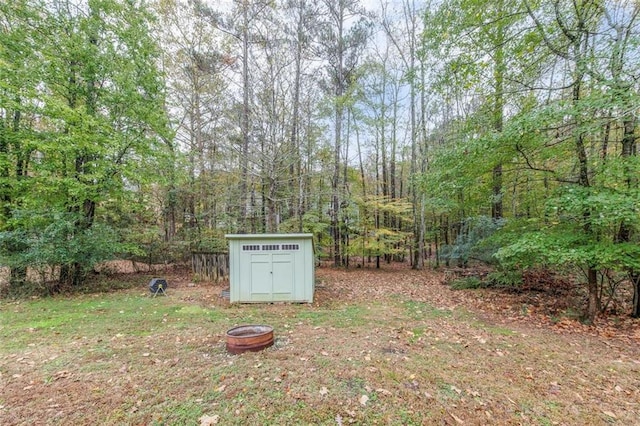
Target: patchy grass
[
  {"x": 377, "y": 347},
  {"x": 422, "y": 310}
]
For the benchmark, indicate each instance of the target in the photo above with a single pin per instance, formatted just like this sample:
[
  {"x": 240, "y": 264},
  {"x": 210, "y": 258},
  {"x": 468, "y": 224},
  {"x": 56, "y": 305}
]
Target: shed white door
[{"x": 272, "y": 276}]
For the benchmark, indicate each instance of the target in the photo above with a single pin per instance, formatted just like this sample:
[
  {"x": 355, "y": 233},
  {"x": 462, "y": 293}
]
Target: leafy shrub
[
  {"x": 22, "y": 289},
  {"x": 58, "y": 249},
  {"x": 208, "y": 241},
  {"x": 473, "y": 241},
  {"x": 504, "y": 279},
  {"x": 467, "y": 283},
  {"x": 59, "y": 239}
]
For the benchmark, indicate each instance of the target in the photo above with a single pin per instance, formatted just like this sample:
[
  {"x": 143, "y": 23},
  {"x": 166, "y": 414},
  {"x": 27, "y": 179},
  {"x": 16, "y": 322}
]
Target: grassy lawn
[{"x": 392, "y": 348}]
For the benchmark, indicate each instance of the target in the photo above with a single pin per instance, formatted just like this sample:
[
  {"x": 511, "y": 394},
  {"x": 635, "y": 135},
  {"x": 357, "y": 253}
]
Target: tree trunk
[
  {"x": 593, "y": 306},
  {"x": 496, "y": 202},
  {"x": 17, "y": 274},
  {"x": 339, "y": 90},
  {"x": 335, "y": 198},
  {"x": 295, "y": 168},
  {"x": 498, "y": 116},
  {"x": 625, "y": 231},
  {"x": 392, "y": 162},
  {"x": 5, "y": 189},
  {"x": 635, "y": 281},
  {"x": 244, "y": 121}
]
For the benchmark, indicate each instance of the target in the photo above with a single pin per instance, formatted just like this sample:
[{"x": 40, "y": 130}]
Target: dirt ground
[
  {"x": 509, "y": 358},
  {"x": 556, "y": 310}
]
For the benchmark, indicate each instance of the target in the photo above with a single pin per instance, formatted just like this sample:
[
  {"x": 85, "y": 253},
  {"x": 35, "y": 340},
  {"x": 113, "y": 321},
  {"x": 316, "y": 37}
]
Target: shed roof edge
[{"x": 267, "y": 236}]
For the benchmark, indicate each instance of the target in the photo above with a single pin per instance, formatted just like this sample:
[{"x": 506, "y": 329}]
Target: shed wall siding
[{"x": 271, "y": 268}]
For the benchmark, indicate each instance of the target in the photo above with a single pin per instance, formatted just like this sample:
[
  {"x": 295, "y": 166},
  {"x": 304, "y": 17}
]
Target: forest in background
[{"x": 432, "y": 132}]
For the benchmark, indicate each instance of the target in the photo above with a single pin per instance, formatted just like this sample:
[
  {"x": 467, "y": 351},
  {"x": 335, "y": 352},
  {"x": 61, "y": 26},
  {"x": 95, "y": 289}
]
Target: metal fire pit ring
[{"x": 252, "y": 338}]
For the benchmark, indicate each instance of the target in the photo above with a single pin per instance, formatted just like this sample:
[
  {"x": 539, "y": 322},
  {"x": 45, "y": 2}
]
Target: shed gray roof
[{"x": 267, "y": 236}]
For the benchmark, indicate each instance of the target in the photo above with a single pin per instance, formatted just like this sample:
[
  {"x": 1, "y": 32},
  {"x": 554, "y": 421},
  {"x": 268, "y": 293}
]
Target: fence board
[{"x": 210, "y": 266}]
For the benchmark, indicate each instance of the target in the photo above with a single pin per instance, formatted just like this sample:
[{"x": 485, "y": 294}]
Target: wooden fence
[{"x": 210, "y": 266}]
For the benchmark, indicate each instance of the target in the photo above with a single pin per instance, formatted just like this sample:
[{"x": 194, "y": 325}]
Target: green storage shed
[{"x": 271, "y": 268}]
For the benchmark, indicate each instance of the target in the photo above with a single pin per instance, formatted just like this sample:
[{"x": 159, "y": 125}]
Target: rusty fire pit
[{"x": 249, "y": 338}]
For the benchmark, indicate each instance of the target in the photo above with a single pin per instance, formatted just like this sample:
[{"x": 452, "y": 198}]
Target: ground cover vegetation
[{"x": 378, "y": 346}]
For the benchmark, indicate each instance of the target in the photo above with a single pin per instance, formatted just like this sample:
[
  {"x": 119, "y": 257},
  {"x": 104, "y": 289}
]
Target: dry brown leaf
[
  {"x": 209, "y": 420},
  {"x": 457, "y": 419},
  {"x": 363, "y": 400}
]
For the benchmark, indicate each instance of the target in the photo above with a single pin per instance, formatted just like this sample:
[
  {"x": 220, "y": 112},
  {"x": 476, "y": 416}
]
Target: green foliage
[
  {"x": 211, "y": 241},
  {"x": 564, "y": 247},
  {"x": 578, "y": 230},
  {"x": 86, "y": 116},
  {"x": 504, "y": 278},
  {"x": 472, "y": 241},
  {"x": 149, "y": 246},
  {"x": 311, "y": 224},
  {"x": 568, "y": 180},
  {"x": 378, "y": 242},
  {"x": 467, "y": 283},
  {"x": 45, "y": 240},
  {"x": 369, "y": 236},
  {"x": 601, "y": 209}
]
